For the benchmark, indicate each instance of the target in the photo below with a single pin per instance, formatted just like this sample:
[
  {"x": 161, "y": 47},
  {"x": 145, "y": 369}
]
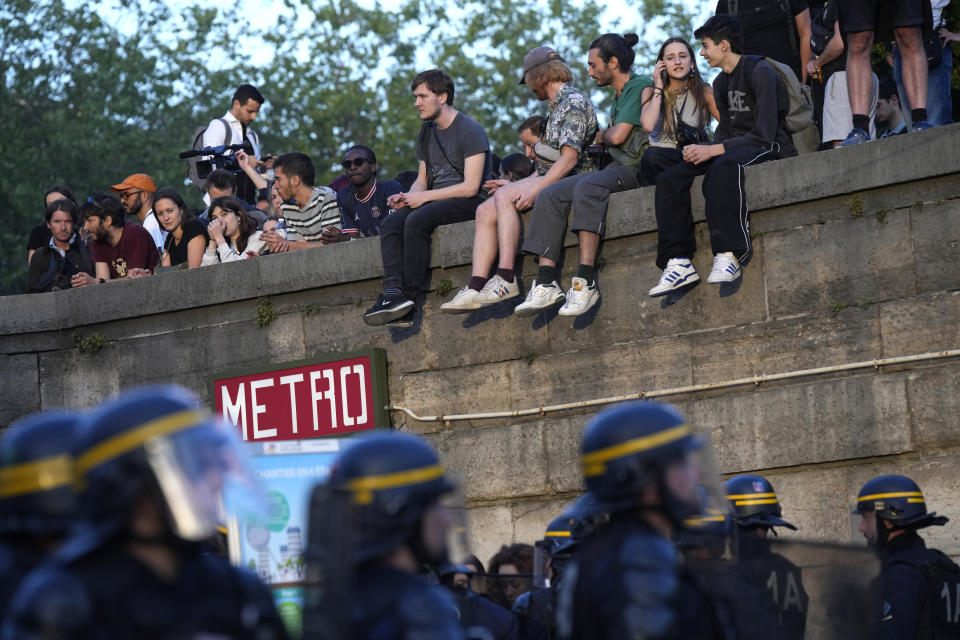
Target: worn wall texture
[{"x": 857, "y": 257}]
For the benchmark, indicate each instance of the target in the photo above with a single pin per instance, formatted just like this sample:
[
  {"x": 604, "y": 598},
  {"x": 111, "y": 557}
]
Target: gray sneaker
[{"x": 539, "y": 298}]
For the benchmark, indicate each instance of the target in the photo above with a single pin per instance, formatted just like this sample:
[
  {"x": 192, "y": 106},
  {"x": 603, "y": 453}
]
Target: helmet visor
[
  {"x": 203, "y": 473},
  {"x": 445, "y": 524},
  {"x": 541, "y": 562},
  {"x": 692, "y": 483}
]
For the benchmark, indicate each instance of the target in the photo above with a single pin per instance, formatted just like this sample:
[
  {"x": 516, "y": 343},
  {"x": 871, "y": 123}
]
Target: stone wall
[{"x": 857, "y": 256}]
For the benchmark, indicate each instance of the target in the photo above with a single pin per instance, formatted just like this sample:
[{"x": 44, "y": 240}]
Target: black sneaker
[
  {"x": 387, "y": 309},
  {"x": 404, "y": 321}
]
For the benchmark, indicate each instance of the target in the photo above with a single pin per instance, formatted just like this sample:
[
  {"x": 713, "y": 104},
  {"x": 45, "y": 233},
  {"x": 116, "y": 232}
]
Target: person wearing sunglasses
[{"x": 363, "y": 204}]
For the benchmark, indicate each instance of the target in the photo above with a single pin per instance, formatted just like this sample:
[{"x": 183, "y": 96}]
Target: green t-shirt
[{"x": 627, "y": 107}]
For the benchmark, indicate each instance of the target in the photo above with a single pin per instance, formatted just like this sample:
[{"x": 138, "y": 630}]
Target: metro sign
[{"x": 329, "y": 396}]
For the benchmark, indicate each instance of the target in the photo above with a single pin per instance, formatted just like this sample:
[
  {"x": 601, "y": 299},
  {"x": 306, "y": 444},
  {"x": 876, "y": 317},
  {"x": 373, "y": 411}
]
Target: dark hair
[
  {"x": 247, "y": 92},
  {"x": 367, "y": 152},
  {"x": 697, "y": 89},
  {"x": 517, "y": 165},
  {"x": 406, "y": 179},
  {"x": 437, "y": 82},
  {"x": 221, "y": 179},
  {"x": 62, "y": 189},
  {"x": 534, "y": 123},
  {"x": 102, "y": 205},
  {"x": 518, "y": 554},
  {"x": 612, "y": 45},
  {"x": 169, "y": 193},
  {"x": 722, "y": 26},
  {"x": 888, "y": 89},
  {"x": 297, "y": 164},
  {"x": 61, "y": 205},
  {"x": 247, "y": 224}
]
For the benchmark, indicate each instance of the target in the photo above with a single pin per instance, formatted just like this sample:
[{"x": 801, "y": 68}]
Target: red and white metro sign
[{"x": 306, "y": 399}]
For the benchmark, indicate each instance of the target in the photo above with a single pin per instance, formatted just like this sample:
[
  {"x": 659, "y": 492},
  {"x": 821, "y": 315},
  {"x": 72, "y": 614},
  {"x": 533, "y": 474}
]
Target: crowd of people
[
  {"x": 792, "y": 77},
  {"x": 111, "y": 527}
]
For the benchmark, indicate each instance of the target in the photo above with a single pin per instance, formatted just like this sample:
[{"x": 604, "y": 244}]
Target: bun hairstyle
[{"x": 612, "y": 45}]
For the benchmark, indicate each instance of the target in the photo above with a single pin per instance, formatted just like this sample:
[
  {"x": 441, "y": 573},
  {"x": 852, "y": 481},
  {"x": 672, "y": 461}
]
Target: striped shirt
[{"x": 309, "y": 222}]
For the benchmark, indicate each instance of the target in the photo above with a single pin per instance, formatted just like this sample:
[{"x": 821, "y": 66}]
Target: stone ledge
[{"x": 802, "y": 179}]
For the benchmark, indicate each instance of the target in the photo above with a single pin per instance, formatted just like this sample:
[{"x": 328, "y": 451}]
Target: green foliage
[
  {"x": 310, "y": 309},
  {"x": 444, "y": 287},
  {"x": 87, "y": 103},
  {"x": 855, "y": 205},
  {"x": 88, "y": 344},
  {"x": 881, "y": 215},
  {"x": 265, "y": 313},
  {"x": 837, "y": 307},
  {"x": 529, "y": 356}
]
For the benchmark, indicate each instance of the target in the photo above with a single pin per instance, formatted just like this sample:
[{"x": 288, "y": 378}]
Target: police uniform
[
  {"x": 391, "y": 479},
  {"x": 133, "y": 450},
  {"x": 754, "y": 503},
  {"x": 919, "y": 588},
  {"x": 536, "y": 605},
  {"x": 625, "y": 581}
]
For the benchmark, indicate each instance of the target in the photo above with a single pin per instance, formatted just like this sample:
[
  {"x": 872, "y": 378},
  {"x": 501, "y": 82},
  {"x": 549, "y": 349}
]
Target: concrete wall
[{"x": 857, "y": 256}]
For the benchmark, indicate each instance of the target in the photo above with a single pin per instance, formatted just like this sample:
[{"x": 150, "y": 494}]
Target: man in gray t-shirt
[{"x": 454, "y": 161}]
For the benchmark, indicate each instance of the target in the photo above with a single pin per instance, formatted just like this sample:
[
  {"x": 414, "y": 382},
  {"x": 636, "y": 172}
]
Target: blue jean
[{"x": 939, "y": 102}]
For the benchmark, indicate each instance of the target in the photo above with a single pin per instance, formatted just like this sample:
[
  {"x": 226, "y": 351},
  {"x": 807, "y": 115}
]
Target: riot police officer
[
  {"x": 395, "y": 482},
  {"x": 919, "y": 587},
  {"x": 37, "y": 500},
  {"x": 624, "y": 581},
  {"x": 153, "y": 470},
  {"x": 756, "y": 511}
]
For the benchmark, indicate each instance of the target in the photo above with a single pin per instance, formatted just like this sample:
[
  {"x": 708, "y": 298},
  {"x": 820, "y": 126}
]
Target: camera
[
  {"x": 220, "y": 157},
  {"x": 599, "y": 155}
]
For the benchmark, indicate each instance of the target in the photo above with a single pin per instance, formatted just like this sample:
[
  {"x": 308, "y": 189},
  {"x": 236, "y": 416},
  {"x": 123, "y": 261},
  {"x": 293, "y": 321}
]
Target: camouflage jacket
[{"x": 572, "y": 122}]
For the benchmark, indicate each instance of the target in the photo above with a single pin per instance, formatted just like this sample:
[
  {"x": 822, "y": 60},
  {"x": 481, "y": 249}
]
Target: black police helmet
[
  {"x": 899, "y": 501},
  {"x": 392, "y": 477},
  {"x": 37, "y": 496},
  {"x": 627, "y": 447},
  {"x": 111, "y": 461},
  {"x": 754, "y": 502}
]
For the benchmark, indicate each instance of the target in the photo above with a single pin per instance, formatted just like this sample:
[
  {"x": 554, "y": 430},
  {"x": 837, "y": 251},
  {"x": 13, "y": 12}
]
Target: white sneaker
[
  {"x": 679, "y": 273},
  {"x": 464, "y": 301},
  {"x": 540, "y": 297},
  {"x": 580, "y": 298},
  {"x": 496, "y": 290},
  {"x": 726, "y": 268}
]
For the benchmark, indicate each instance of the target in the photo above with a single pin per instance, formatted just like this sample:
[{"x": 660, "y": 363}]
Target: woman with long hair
[
  {"x": 233, "y": 233},
  {"x": 186, "y": 237},
  {"x": 676, "y": 109}
]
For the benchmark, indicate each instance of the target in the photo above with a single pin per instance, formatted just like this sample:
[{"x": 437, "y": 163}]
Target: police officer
[
  {"x": 153, "y": 469},
  {"x": 395, "y": 482},
  {"x": 624, "y": 582},
  {"x": 37, "y": 500},
  {"x": 919, "y": 587},
  {"x": 480, "y": 617},
  {"x": 756, "y": 511}
]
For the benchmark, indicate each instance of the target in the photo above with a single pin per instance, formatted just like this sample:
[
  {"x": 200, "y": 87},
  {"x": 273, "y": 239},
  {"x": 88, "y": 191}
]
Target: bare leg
[
  {"x": 859, "y": 73},
  {"x": 485, "y": 239},
  {"x": 589, "y": 243},
  {"x": 914, "y": 65}
]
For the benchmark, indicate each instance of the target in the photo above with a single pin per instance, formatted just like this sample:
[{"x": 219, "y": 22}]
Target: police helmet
[
  {"x": 153, "y": 440},
  {"x": 898, "y": 500},
  {"x": 37, "y": 495},
  {"x": 627, "y": 447},
  {"x": 754, "y": 502},
  {"x": 392, "y": 478}
]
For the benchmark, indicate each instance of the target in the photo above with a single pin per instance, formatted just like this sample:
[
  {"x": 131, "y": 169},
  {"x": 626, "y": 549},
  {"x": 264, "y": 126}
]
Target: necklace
[{"x": 366, "y": 198}]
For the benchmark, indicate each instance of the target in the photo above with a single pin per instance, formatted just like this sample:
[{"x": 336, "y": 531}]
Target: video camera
[{"x": 219, "y": 158}]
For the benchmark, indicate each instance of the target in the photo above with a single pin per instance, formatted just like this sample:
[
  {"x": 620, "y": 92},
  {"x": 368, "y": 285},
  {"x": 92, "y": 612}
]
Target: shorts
[
  {"x": 871, "y": 15},
  {"x": 837, "y": 115}
]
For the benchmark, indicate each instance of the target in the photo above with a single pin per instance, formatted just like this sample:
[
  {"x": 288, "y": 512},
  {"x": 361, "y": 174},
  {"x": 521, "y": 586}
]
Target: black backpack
[
  {"x": 784, "y": 5},
  {"x": 197, "y": 143}
]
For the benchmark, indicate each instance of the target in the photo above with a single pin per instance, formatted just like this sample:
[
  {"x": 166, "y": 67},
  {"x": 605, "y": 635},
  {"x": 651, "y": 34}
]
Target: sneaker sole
[
  {"x": 581, "y": 312},
  {"x": 532, "y": 311},
  {"x": 490, "y": 303},
  {"x": 686, "y": 282},
  {"x": 381, "y": 317},
  {"x": 725, "y": 279},
  {"x": 456, "y": 310}
]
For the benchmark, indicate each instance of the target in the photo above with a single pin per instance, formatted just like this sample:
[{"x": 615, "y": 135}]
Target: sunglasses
[{"x": 355, "y": 163}]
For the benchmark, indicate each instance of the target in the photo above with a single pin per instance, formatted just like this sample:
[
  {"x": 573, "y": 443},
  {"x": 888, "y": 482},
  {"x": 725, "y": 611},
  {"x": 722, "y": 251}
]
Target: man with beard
[
  {"x": 363, "y": 204},
  {"x": 53, "y": 266},
  {"x": 234, "y": 128},
  {"x": 136, "y": 194},
  {"x": 454, "y": 162},
  {"x": 308, "y": 209},
  {"x": 119, "y": 249}
]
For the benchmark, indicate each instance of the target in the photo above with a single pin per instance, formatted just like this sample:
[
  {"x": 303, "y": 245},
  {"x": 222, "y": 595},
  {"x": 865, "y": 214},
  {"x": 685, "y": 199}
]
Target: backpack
[
  {"x": 784, "y": 6},
  {"x": 799, "y": 119},
  {"x": 193, "y": 173}
]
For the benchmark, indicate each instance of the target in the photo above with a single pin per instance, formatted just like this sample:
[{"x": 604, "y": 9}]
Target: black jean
[
  {"x": 405, "y": 240},
  {"x": 726, "y": 205}
]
